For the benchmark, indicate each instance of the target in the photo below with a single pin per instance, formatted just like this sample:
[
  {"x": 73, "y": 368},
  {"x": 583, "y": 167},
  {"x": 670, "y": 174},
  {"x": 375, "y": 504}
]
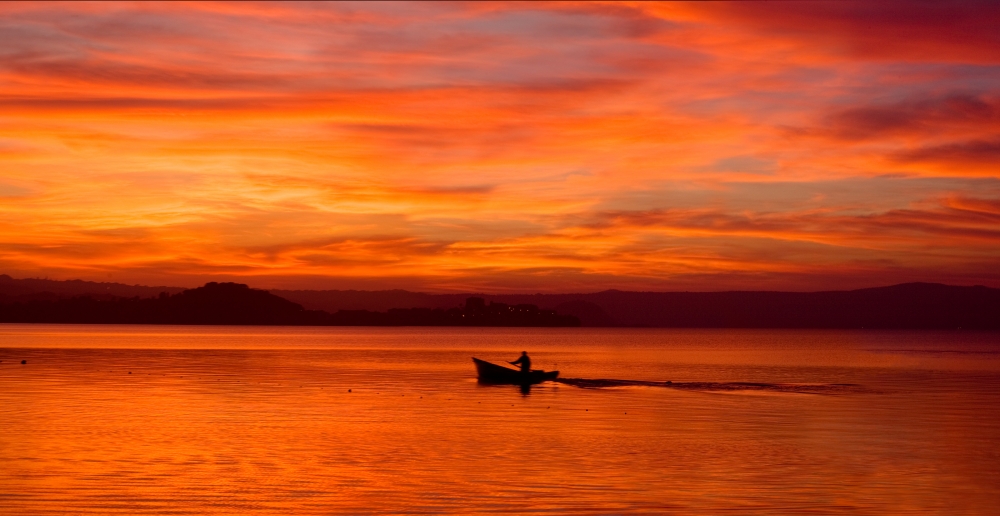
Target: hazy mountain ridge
[
  {"x": 238, "y": 304},
  {"x": 909, "y": 305},
  {"x": 37, "y": 288}
]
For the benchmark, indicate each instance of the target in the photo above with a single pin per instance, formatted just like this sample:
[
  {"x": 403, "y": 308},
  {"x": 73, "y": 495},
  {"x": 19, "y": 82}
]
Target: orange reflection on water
[{"x": 265, "y": 422}]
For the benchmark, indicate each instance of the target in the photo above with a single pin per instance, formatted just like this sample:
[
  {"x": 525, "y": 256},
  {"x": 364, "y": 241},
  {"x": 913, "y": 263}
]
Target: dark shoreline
[
  {"x": 916, "y": 306},
  {"x": 234, "y": 303}
]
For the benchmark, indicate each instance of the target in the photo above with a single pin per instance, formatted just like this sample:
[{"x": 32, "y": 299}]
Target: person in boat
[{"x": 524, "y": 362}]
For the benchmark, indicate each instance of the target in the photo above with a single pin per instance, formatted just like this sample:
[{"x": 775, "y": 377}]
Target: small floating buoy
[
  {"x": 24, "y": 362},
  {"x": 348, "y": 390},
  {"x": 130, "y": 372}
]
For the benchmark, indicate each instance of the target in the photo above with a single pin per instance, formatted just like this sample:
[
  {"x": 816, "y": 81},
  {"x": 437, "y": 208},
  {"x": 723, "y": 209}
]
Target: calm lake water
[{"x": 246, "y": 420}]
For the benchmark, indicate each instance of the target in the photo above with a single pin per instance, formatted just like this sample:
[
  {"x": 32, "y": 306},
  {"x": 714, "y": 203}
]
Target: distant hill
[
  {"x": 214, "y": 303},
  {"x": 910, "y": 305},
  {"x": 238, "y": 304},
  {"x": 32, "y": 288}
]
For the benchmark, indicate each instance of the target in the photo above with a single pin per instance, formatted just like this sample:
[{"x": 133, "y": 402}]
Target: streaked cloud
[{"x": 501, "y": 146}]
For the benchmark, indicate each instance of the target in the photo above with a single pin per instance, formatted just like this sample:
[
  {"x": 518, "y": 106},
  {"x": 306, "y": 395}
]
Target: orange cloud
[{"x": 500, "y": 146}]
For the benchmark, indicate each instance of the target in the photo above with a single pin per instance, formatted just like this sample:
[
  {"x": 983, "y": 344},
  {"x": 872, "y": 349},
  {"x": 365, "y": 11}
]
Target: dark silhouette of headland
[
  {"x": 905, "y": 306},
  {"x": 214, "y": 303},
  {"x": 238, "y": 304}
]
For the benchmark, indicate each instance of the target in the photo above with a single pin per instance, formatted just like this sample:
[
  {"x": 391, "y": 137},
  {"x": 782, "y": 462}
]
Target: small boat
[{"x": 492, "y": 373}]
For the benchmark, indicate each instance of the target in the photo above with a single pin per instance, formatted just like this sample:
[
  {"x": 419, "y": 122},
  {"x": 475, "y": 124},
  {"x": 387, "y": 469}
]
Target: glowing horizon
[{"x": 502, "y": 147}]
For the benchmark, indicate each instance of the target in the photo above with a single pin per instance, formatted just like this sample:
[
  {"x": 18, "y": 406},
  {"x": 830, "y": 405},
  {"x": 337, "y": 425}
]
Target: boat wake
[{"x": 802, "y": 388}]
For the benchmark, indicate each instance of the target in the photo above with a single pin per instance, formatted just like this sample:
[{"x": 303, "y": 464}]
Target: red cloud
[
  {"x": 956, "y": 113},
  {"x": 964, "y": 31},
  {"x": 977, "y": 155}
]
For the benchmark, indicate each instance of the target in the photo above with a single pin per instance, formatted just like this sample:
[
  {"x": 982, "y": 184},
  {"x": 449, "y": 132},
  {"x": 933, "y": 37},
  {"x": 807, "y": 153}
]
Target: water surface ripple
[{"x": 240, "y": 420}]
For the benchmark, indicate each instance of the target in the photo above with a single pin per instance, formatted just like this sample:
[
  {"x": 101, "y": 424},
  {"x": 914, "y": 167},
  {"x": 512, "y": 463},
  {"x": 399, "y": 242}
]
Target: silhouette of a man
[{"x": 524, "y": 362}]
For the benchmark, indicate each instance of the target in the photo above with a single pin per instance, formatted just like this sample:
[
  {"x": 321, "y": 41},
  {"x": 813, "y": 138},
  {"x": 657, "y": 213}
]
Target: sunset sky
[{"x": 502, "y": 147}]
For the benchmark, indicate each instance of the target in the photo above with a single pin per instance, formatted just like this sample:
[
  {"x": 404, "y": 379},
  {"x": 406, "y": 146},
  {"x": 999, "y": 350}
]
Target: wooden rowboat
[{"x": 492, "y": 373}]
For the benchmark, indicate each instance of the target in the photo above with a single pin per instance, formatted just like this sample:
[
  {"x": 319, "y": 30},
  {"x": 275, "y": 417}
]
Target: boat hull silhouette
[{"x": 495, "y": 374}]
